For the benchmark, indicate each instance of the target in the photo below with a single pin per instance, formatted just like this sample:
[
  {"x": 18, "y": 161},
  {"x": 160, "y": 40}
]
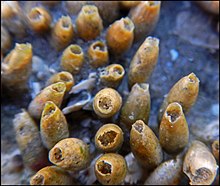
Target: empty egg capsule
[
  {"x": 215, "y": 149},
  {"x": 144, "y": 61},
  {"x": 185, "y": 92},
  {"x": 137, "y": 105},
  {"x": 98, "y": 54},
  {"x": 167, "y": 173},
  {"x": 70, "y": 154},
  {"x": 5, "y": 40},
  {"x": 72, "y": 59},
  {"x": 106, "y": 12},
  {"x": 29, "y": 141},
  {"x": 51, "y": 175},
  {"x": 107, "y": 102},
  {"x": 53, "y": 125},
  {"x": 120, "y": 36},
  {"x": 62, "y": 33},
  {"x": 128, "y": 4},
  {"x": 145, "y": 146},
  {"x": 199, "y": 164},
  {"x": 109, "y": 138},
  {"x": 63, "y": 76},
  {"x": 39, "y": 19},
  {"x": 145, "y": 17},
  {"x": 89, "y": 23},
  {"x": 16, "y": 66},
  {"x": 112, "y": 75},
  {"x": 54, "y": 92},
  {"x": 174, "y": 131},
  {"x": 12, "y": 18},
  {"x": 110, "y": 169}
]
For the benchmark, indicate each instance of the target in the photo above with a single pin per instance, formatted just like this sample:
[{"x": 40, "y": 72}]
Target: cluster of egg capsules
[{"x": 72, "y": 154}]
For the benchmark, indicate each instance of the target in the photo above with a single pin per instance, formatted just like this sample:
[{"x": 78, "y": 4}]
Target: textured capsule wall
[{"x": 188, "y": 42}]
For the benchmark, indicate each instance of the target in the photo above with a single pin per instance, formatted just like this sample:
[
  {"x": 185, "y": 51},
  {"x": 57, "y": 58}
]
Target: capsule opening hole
[
  {"x": 144, "y": 86},
  {"x": 66, "y": 23},
  {"x": 192, "y": 78},
  {"x": 154, "y": 3},
  {"x": 104, "y": 167},
  {"x": 89, "y": 10},
  {"x": 128, "y": 25},
  {"x": 65, "y": 78},
  {"x": 105, "y": 103},
  {"x": 173, "y": 115},
  {"x": 58, "y": 154},
  {"x": 58, "y": 87},
  {"x": 118, "y": 70},
  {"x": 50, "y": 109},
  {"x": 138, "y": 127},
  {"x": 202, "y": 174},
  {"x": 76, "y": 50},
  {"x": 216, "y": 145},
  {"x": 38, "y": 179},
  {"x": 35, "y": 14},
  {"x": 99, "y": 46},
  {"x": 107, "y": 137}
]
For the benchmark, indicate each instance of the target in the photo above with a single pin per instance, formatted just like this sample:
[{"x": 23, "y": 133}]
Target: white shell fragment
[
  {"x": 87, "y": 84},
  {"x": 75, "y": 105}
]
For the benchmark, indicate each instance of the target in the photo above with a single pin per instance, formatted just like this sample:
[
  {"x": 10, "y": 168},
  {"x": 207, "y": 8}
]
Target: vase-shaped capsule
[
  {"x": 199, "y": 164},
  {"x": 173, "y": 131},
  {"x": 89, "y": 23},
  {"x": 54, "y": 92},
  {"x": 137, "y": 105},
  {"x": 53, "y": 125},
  {"x": 145, "y": 146},
  {"x": 144, "y": 61}
]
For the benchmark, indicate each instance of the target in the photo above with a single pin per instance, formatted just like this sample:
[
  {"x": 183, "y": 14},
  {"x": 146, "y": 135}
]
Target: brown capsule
[
  {"x": 106, "y": 12},
  {"x": 53, "y": 125},
  {"x": 120, "y": 36},
  {"x": 5, "y": 40},
  {"x": 62, "y": 33},
  {"x": 12, "y": 18},
  {"x": 39, "y": 19},
  {"x": 16, "y": 67},
  {"x": 107, "y": 102},
  {"x": 70, "y": 154},
  {"x": 110, "y": 169},
  {"x": 145, "y": 17},
  {"x": 29, "y": 141},
  {"x": 63, "y": 76},
  {"x": 54, "y": 92},
  {"x": 145, "y": 146},
  {"x": 109, "y": 138},
  {"x": 51, "y": 175},
  {"x": 112, "y": 75},
  {"x": 185, "y": 92},
  {"x": 199, "y": 164},
  {"x": 74, "y": 7},
  {"x": 174, "y": 131},
  {"x": 89, "y": 23},
  {"x": 128, "y": 4},
  {"x": 210, "y": 6},
  {"x": 215, "y": 149},
  {"x": 167, "y": 173},
  {"x": 137, "y": 105},
  {"x": 98, "y": 54},
  {"x": 144, "y": 61},
  {"x": 72, "y": 59}
]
